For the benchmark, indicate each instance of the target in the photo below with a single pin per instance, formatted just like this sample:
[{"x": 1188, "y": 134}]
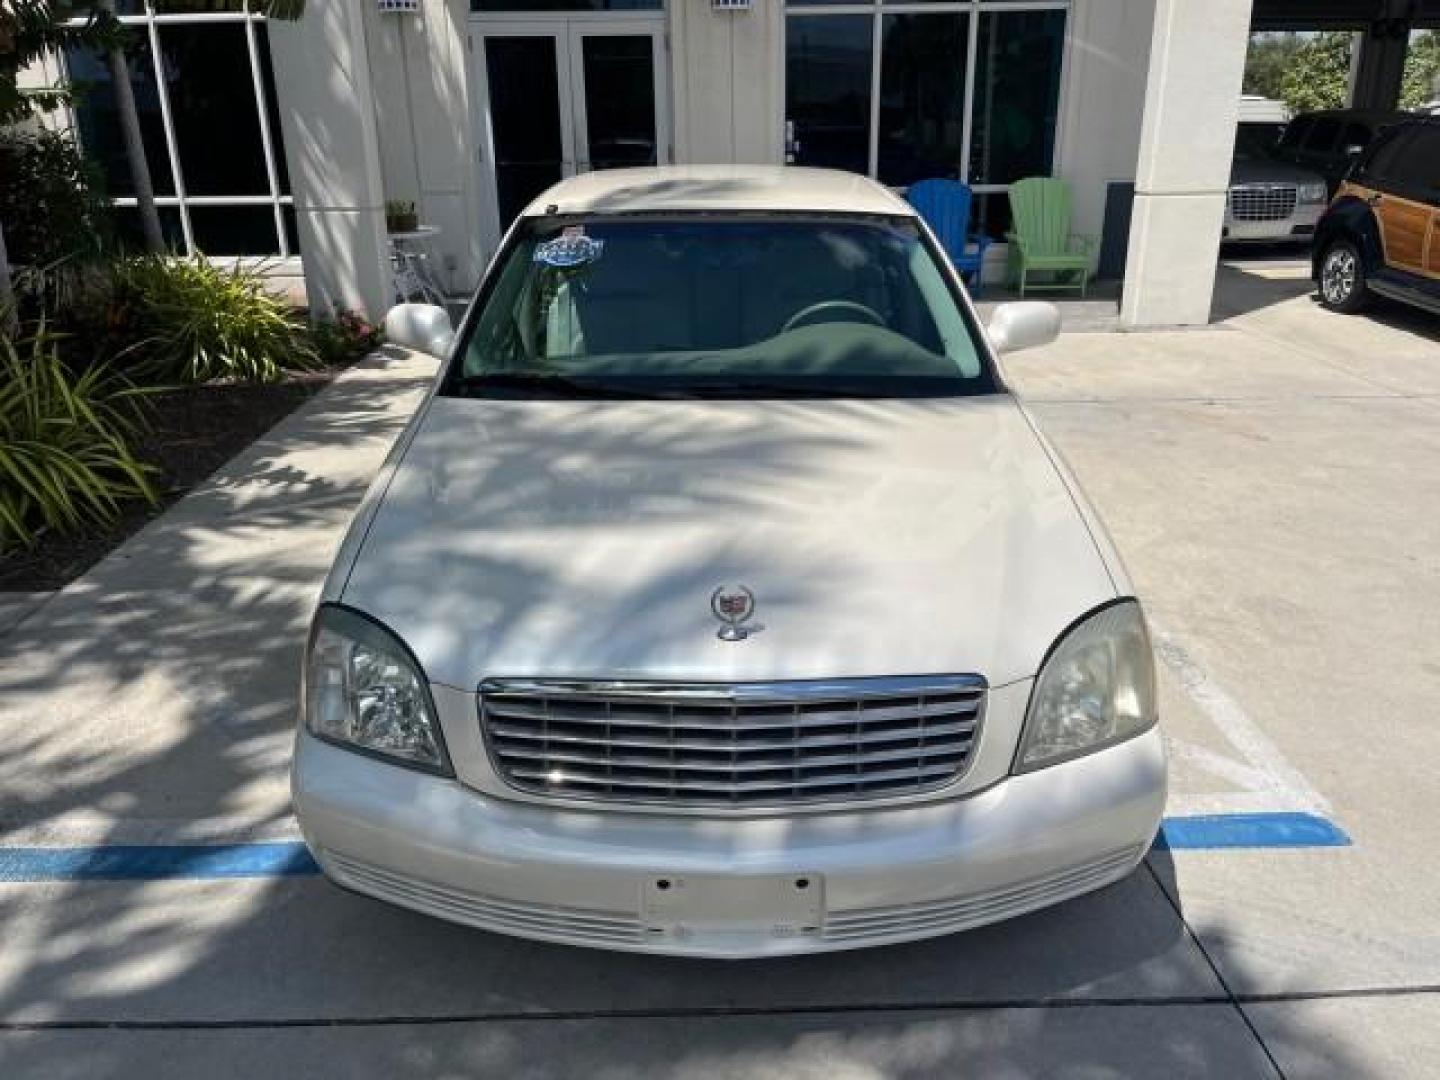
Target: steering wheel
[{"x": 869, "y": 314}]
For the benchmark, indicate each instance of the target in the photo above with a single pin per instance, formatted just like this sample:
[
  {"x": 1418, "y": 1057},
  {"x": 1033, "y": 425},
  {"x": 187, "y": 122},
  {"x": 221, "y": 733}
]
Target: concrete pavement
[{"x": 1272, "y": 483}]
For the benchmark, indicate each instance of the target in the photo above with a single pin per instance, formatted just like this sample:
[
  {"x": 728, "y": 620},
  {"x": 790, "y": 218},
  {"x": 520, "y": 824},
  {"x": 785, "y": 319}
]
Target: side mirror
[
  {"x": 423, "y": 327},
  {"x": 1024, "y": 324}
]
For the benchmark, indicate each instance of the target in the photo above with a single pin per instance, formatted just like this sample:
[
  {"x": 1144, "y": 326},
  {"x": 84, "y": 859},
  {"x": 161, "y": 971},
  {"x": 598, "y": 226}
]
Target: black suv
[
  {"x": 1382, "y": 233},
  {"x": 1327, "y": 142}
]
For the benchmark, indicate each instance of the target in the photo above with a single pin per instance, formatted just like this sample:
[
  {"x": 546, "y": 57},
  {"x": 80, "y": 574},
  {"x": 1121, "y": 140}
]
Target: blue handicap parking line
[
  {"x": 1203, "y": 832},
  {"x": 198, "y": 862},
  {"x": 140, "y": 862}
]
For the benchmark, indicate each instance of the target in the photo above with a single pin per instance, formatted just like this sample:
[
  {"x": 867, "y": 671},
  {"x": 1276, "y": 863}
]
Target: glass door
[
  {"x": 530, "y": 121},
  {"x": 564, "y": 96},
  {"x": 615, "y": 70}
]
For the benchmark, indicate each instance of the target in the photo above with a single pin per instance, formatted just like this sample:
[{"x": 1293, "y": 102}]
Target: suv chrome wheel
[{"x": 1342, "y": 278}]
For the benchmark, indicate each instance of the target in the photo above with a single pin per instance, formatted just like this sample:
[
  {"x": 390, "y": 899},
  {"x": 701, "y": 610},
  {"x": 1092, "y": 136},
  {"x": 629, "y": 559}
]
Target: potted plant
[{"x": 400, "y": 216}]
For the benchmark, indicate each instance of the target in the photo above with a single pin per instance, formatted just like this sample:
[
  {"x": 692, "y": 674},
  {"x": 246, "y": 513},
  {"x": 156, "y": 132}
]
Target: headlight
[
  {"x": 1313, "y": 193},
  {"x": 1096, "y": 688},
  {"x": 364, "y": 691}
]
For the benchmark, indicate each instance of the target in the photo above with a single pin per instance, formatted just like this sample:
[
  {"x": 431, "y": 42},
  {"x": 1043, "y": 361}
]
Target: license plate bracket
[{"x": 779, "y": 905}]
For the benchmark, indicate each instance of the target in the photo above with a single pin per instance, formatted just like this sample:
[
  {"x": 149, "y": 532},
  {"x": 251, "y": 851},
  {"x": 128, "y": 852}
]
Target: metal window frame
[
  {"x": 878, "y": 9},
  {"x": 151, "y": 21},
  {"x": 568, "y": 30}
]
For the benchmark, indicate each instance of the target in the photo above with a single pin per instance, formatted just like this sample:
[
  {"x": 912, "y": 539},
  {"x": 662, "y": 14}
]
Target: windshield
[
  {"x": 699, "y": 306},
  {"x": 1255, "y": 141}
]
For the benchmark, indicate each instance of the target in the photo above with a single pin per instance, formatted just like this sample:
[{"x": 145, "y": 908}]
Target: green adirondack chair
[{"x": 1041, "y": 238}]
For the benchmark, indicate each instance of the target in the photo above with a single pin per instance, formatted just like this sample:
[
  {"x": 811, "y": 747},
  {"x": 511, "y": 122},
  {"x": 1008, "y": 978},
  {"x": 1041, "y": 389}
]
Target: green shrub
[
  {"x": 344, "y": 339},
  {"x": 191, "y": 321},
  {"x": 55, "y": 219},
  {"x": 66, "y": 444},
  {"x": 51, "y": 205}
]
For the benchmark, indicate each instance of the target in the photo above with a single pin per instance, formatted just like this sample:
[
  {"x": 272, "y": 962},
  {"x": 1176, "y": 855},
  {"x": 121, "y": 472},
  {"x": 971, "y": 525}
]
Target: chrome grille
[
  {"x": 739, "y": 744},
  {"x": 1262, "y": 202}
]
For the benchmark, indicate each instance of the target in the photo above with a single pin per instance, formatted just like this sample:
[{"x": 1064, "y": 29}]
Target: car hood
[
  {"x": 1268, "y": 171},
  {"x": 584, "y": 539}
]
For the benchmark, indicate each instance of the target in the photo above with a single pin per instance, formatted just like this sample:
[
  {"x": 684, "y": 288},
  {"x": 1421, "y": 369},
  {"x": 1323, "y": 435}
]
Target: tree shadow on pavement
[
  {"x": 299, "y": 978},
  {"x": 154, "y": 700}
]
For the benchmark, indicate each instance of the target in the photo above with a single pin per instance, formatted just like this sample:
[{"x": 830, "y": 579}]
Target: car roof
[
  {"x": 718, "y": 188},
  {"x": 1373, "y": 116}
]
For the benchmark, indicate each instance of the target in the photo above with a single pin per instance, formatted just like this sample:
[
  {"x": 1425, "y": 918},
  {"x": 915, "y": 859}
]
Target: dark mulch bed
[{"x": 196, "y": 430}]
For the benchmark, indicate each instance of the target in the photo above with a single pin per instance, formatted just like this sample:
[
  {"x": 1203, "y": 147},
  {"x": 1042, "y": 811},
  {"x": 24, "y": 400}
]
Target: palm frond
[{"x": 66, "y": 457}]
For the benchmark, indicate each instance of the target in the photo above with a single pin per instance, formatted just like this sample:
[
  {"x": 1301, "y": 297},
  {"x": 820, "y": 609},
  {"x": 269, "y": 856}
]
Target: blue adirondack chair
[{"x": 945, "y": 206}]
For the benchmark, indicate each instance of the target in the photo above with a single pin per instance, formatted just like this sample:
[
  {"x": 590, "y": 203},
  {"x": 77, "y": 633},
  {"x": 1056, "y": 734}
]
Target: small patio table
[{"x": 410, "y": 265}]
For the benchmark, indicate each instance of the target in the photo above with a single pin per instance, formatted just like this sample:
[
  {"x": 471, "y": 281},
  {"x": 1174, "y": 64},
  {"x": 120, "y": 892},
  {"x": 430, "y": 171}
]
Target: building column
[
  {"x": 327, "y": 114},
  {"x": 726, "y": 70},
  {"x": 428, "y": 155},
  {"x": 1379, "y": 68},
  {"x": 1187, "y": 140}
]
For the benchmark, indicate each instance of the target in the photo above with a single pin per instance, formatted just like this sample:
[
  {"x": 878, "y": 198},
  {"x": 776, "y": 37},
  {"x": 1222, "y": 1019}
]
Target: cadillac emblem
[{"x": 734, "y": 605}]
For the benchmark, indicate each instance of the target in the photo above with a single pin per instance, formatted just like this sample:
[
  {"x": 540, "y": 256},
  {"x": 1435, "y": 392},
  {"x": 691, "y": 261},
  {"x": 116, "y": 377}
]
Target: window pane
[
  {"x": 1295, "y": 132},
  {"x": 619, "y": 100},
  {"x": 212, "y": 100},
  {"x": 922, "y": 97},
  {"x": 191, "y": 7},
  {"x": 566, "y": 5},
  {"x": 1355, "y": 135},
  {"x": 292, "y": 229},
  {"x": 1417, "y": 167},
  {"x": 1381, "y": 166},
  {"x": 234, "y": 230},
  {"x": 1323, "y": 135},
  {"x": 130, "y": 235},
  {"x": 816, "y": 304},
  {"x": 272, "y": 108},
  {"x": 1017, "y": 95},
  {"x": 827, "y": 89},
  {"x": 99, "y": 120},
  {"x": 525, "y": 119},
  {"x": 990, "y": 214}
]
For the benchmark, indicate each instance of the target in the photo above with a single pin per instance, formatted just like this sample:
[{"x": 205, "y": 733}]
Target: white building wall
[
  {"x": 727, "y": 70},
  {"x": 1102, "y": 101},
  {"x": 379, "y": 106},
  {"x": 427, "y": 148},
  {"x": 332, "y": 146}
]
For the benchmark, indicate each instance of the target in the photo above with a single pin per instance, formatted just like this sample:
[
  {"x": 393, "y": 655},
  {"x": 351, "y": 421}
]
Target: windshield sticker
[{"x": 570, "y": 249}]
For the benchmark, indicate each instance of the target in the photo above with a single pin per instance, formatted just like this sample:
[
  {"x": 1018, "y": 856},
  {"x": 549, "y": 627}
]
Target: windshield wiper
[{"x": 552, "y": 385}]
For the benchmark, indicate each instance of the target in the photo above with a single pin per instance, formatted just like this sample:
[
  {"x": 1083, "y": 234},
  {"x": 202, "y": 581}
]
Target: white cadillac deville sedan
[{"x": 721, "y": 600}]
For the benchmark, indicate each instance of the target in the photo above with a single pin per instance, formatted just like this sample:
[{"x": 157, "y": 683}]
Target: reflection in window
[
  {"x": 98, "y": 119},
  {"x": 990, "y": 215},
  {"x": 922, "y": 97},
  {"x": 128, "y": 231},
  {"x": 827, "y": 82},
  {"x": 1017, "y": 95},
  {"x": 222, "y": 200},
  {"x": 619, "y": 99},
  {"x": 915, "y": 83},
  {"x": 524, "y": 118},
  {"x": 234, "y": 230},
  {"x": 217, "y": 129}
]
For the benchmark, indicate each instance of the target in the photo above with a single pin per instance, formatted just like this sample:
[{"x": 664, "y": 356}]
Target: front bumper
[
  {"x": 1298, "y": 228},
  {"x": 729, "y": 886}
]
